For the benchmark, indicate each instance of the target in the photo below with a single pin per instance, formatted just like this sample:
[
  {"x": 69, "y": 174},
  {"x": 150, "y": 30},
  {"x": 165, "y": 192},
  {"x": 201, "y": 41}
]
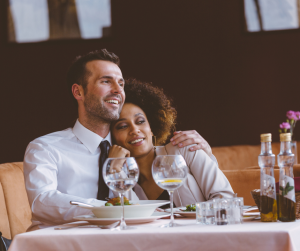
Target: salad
[
  {"x": 117, "y": 202},
  {"x": 190, "y": 208}
]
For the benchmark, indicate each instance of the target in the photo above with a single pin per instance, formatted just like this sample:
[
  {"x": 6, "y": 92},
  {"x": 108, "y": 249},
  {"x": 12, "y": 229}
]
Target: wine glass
[
  {"x": 169, "y": 172},
  {"x": 120, "y": 175}
]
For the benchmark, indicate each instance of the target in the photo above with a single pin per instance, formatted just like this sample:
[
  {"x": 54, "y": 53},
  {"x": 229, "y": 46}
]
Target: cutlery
[
  {"x": 110, "y": 226},
  {"x": 80, "y": 204}
]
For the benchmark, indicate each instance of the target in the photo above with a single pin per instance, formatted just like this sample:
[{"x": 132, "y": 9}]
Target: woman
[{"x": 147, "y": 112}]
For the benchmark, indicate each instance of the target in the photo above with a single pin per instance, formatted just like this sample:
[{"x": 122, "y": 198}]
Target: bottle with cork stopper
[
  {"x": 266, "y": 161},
  {"x": 287, "y": 200}
]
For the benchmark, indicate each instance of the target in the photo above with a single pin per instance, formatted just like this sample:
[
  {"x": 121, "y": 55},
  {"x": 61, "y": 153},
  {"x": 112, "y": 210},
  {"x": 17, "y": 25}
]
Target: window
[{"x": 43, "y": 20}]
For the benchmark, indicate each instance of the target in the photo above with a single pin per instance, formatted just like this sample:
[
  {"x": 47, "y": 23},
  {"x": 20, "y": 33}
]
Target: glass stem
[
  {"x": 123, "y": 224},
  {"x": 171, "y": 224}
]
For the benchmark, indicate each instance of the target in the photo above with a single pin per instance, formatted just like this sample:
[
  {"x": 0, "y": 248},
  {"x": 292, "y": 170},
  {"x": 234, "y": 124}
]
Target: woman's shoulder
[{"x": 193, "y": 159}]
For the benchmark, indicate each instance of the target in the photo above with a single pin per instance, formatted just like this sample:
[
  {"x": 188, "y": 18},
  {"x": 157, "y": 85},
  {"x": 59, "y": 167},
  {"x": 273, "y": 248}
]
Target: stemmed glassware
[
  {"x": 120, "y": 175},
  {"x": 169, "y": 172}
]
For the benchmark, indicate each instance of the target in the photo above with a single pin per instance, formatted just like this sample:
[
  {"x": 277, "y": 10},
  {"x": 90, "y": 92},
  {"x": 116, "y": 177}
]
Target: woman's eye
[
  {"x": 121, "y": 127},
  {"x": 141, "y": 122}
]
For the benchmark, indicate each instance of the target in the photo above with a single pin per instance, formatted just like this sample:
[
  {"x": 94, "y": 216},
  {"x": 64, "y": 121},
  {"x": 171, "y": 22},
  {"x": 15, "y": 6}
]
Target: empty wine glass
[
  {"x": 120, "y": 175},
  {"x": 169, "y": 172}
]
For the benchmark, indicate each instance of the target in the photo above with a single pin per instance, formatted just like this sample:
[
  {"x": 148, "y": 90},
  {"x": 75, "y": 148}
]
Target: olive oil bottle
[
  {"x": 266, "y": 161},
  {"x": 286, "y": 200}
]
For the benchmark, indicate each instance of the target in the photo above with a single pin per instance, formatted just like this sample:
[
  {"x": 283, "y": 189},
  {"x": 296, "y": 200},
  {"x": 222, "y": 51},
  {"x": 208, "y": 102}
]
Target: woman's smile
[{"x": 137, "y": 141}]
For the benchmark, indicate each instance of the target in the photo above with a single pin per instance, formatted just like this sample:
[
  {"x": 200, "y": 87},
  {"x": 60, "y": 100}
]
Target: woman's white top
[{"x": 205, "y": 180}]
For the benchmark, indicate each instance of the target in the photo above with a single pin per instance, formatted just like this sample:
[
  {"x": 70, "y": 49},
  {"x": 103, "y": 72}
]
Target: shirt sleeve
[
  {"x": 49, "y": 205},
  {"x": 213, "y": 158},
  {"x": 210, "y": 179}
]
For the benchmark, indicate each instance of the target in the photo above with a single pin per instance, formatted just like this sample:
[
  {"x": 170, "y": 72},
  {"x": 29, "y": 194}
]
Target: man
[{"x": 63, "y": 166}]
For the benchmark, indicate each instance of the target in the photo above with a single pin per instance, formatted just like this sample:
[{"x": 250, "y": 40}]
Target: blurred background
[{"x": 231, "y": 75}]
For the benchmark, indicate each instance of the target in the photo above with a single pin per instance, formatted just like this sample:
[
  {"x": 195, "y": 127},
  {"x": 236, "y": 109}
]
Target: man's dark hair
[{"x": 78, "y": 73}]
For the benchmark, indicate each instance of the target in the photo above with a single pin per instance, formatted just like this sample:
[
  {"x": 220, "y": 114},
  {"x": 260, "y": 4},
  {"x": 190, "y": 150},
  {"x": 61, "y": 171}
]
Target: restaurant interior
[{"x": 231, "y": 78}]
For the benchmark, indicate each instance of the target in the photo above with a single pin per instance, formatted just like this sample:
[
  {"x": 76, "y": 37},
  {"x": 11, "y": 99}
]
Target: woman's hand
[
  {"x": 186, "y": 138},
  {"x": 117, "y": 152}
]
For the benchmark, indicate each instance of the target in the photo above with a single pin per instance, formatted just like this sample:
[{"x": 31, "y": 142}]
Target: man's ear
[{"x": 77, "y": 91}]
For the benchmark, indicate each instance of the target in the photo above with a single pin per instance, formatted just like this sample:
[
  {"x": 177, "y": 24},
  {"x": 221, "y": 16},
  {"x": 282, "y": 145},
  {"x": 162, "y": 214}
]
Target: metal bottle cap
[
  {"x": 285, "y": 137},
  {"x": 266, "y": 137}
]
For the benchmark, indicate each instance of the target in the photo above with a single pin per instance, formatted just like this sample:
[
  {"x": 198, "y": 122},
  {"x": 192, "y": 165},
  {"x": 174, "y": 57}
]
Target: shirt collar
[{"x": 90, "y": 139}]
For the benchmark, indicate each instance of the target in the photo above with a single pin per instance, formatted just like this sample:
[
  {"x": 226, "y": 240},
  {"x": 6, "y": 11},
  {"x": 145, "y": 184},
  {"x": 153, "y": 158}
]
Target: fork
[{"x": 110, "y": 226}]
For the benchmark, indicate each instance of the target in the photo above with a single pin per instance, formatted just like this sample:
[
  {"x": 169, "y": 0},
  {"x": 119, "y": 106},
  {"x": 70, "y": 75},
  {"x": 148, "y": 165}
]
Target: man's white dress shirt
[{"x": 61, "y": 167}]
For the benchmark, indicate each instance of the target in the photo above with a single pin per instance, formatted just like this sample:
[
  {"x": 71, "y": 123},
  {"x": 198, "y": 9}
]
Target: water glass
[
  {"x": 120, "y": 175},
  {"x": 205, "y": 213},
  {"x": 235, "y": 211},
  {"x": 169, "y": 172}
]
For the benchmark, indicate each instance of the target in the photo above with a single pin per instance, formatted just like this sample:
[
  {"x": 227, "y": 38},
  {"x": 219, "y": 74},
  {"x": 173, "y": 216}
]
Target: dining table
[{"x": 250, "y": 235}]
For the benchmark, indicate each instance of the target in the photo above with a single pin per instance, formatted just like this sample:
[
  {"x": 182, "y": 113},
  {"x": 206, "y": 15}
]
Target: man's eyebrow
[{"x": 110, "y": 77}]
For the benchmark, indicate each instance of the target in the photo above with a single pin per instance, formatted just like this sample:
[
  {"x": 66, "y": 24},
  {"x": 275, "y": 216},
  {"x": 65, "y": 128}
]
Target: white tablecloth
[{"x": 248, "y": 236}]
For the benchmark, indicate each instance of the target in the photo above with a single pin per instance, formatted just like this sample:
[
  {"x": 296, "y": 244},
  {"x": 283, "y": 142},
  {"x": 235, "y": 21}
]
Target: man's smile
[{"x": 112, "y": 101}]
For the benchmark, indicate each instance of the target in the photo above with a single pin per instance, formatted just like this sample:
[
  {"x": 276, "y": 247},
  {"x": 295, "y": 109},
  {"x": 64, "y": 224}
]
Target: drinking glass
[
  {"x": 205, "y": 213},
  {"x": 221, "y": 210},
  {"x": 120, "y": 175},
  {"x": 169, "y": 172}
]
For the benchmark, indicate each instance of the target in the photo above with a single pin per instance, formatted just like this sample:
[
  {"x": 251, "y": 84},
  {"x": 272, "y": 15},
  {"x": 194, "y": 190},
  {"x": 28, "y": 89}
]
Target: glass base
[
  {"x": 123, "y": 228},
  {"x": 171, "y": 225}
]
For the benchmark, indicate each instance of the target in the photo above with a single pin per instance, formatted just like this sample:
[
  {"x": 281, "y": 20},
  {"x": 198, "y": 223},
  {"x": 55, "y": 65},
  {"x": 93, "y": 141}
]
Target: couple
[{"x": 63, "y": 166}]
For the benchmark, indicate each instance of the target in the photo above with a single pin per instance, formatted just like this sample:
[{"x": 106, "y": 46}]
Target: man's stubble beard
[{"x": 96, "y": 110}]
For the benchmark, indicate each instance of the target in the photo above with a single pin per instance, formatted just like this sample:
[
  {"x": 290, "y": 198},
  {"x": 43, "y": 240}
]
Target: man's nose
[{"x": 116, "y": 88}]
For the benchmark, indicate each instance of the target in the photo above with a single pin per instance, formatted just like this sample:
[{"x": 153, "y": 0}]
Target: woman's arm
[
  {"x": 207, "y": 179},
  {"x": 210, "y": 179}
]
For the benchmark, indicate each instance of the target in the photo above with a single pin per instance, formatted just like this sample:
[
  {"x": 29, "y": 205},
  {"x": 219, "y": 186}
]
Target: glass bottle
[
  {"x": 266, "y": 161},
  {"x": 287, "y": 201}
]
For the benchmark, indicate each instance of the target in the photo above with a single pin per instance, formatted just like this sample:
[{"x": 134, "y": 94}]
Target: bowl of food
[{"x": 132, "y": 209}]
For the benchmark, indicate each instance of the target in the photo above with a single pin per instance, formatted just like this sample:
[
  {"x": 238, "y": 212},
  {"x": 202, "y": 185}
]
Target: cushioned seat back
[
  {"x": 4, "y": 222},
  {"x": 246, "y": 180},
  {"x": 15, "y": 214},
  {"x": 241, "y": 157}
]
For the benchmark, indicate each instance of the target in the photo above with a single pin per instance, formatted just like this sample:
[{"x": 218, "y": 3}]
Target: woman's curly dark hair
[{"x": 156, "y": 105}]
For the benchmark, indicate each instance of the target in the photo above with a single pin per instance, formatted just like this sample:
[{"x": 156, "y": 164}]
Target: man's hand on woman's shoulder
[{"x": 186, "y": 138}]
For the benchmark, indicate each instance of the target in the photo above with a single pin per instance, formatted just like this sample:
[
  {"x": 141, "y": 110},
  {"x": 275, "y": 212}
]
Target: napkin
[{"x": 297, "y": 185}]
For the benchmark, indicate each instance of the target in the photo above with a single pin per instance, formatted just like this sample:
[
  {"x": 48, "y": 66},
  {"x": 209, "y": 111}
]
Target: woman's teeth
[
  {"x": 135, "y": 141},
  {"x": 112, "y": 101}
]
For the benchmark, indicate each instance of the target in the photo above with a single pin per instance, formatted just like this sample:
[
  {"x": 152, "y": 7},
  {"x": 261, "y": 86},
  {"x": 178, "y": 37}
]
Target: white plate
[
  {"x": 104, "y": 221},
  {"x": 178, "y": 210},
  {"x": 246, "y": 218},
  {"x": 187, "y": 214},
  {"x": 141, "y": 208}
]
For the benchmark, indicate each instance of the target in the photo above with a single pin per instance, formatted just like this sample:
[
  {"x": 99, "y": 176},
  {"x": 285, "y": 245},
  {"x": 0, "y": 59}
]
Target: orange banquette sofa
[{"x": 239, "y": 164}]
